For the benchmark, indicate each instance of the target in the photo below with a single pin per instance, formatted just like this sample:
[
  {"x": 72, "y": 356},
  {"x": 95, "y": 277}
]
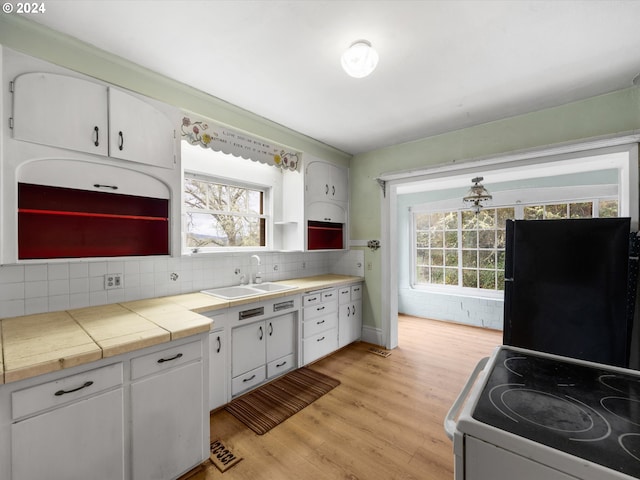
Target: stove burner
[
  {"x": 625, "y": 408},
  {"x": 566, "y": 415},
  {"x": 547, "y": 410},
  {"x": 513, "y": 369},
  {"x": 626, "y": 386},
  {"x": 630, "y": 443}
]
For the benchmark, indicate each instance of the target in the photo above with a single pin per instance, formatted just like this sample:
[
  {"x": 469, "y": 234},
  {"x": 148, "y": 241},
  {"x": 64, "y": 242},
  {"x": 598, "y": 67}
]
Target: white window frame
[
  {"x": 518, "y": 199},
  {"x": 267, "y": 215}
]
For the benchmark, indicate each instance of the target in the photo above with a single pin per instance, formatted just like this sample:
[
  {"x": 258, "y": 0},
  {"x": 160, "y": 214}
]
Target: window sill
[{"x": 460, "y": 292}]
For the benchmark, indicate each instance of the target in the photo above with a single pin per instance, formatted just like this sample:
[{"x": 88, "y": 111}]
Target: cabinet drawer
[
  {"x": 320, "y": 310},
  {"x": 329, "y": 295},
  {"x": 319, "y": 324},
  {"x": 51, "y": 394},
  {"x": 312, "y": 299},
  {"x": 165, "y": 359},
  {"x": 356, "y": 292},
  {"x": 344, "y": 295},
  {"x": 279, "y": 366},
  {"x": 320, "y": 345},
  {"x": 248, "y": 380}
]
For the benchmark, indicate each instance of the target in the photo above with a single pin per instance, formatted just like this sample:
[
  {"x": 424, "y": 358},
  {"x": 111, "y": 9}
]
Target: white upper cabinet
[
  {"x": 60, "y": 111},
  {"x": 80, "y": 115},
  {"x": 139, "y": 132},
  {"x": 326, "y": 181}
]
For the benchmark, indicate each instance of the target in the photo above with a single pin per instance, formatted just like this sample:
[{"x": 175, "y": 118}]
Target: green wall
[{"x": 613, "y": 113}]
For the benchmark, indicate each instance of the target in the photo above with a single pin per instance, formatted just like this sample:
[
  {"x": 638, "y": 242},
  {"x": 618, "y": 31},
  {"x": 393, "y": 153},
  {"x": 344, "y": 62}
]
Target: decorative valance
[{"x": 208, "y": 134}]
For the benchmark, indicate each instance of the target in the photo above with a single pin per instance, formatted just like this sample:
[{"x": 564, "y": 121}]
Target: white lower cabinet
[
  {"x": 320, "y": 324},
  {"x": 138, "y": 416},
  {"x": 167, "y": 425},
  {"x": 218, "y": 368},
  {"x": 350, "y": 314},
  {"x": 72, "y": 442},
  {"x": 281, "y": 343},
  {"x": 82, "y": 435},
  {"x": 262, "y": 350}
]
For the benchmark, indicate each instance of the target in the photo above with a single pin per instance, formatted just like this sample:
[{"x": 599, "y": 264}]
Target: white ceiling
[{"x": 444, "y": 65}]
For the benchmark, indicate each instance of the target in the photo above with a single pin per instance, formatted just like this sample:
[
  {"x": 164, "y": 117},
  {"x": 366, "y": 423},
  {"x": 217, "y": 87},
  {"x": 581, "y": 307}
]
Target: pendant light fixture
[
  {"x": 360, "y": 59},
  {"x": 477, "y": 195}
]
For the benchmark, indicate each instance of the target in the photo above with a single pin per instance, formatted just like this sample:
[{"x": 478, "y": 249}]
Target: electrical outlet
[
  {"x": 112, "y": 280},
  {"x": 369, "y": 266}
]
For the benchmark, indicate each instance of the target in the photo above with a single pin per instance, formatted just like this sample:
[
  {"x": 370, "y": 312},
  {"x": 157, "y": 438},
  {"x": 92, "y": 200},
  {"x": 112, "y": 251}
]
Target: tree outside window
[
  {"x": 223, "y": 215},
  {"x": 462, "y": 249}
]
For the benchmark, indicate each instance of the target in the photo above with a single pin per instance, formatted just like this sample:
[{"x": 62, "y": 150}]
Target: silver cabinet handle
[
  {"x": 250, "y": 378},
  {"x": 219, "y": 344},
  {"x": 261, "y": 333},
  {"x": 281, "y": 364},
  {"x": 97, "y": 132},
  {"x": 326, "y": 189},
  {"x": 354, "y": 310},
  {"x": 270, "y": 329},
  {"x": 120, "y": 141},
  {"x": 320, "y": 339}
]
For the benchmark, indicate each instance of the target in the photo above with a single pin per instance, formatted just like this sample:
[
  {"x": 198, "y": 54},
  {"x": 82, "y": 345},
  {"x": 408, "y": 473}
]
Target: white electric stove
[{"x": 529, "y": 415}]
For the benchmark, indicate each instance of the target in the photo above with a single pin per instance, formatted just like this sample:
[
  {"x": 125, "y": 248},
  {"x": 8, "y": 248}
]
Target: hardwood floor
[{"x": 385, "y": 420}]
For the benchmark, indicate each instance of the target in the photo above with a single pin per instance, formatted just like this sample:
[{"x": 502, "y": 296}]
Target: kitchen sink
[
  {"x": 231, "y": 293},
  {"x": 243, "y": 291},
  {"x": 272, "y": 287}
]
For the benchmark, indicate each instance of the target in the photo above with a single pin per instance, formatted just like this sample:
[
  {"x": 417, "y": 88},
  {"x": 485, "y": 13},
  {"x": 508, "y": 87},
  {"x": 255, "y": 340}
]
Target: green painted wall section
[
  {"x": 28, "y": 37},
  {"x": 616, "y": 112}
]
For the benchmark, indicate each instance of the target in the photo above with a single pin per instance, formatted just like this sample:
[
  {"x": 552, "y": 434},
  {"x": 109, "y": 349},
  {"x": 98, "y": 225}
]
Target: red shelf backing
[{"x": 56, "y": 222}]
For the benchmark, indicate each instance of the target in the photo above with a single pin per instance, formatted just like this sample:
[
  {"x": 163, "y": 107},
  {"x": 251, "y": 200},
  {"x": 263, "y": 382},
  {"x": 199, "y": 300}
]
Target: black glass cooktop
[{"x": 592, "y": 413}]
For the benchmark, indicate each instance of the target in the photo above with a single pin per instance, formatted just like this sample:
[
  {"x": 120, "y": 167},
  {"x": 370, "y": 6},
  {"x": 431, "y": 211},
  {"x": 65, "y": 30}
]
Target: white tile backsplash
[
  {"x": 38, "y": 288},
  {"x": 58, "y": 271}
]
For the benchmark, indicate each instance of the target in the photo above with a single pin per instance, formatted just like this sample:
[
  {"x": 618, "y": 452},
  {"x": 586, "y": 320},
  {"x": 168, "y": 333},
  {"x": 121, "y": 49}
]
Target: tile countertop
[{"x": 37, "y": 344}]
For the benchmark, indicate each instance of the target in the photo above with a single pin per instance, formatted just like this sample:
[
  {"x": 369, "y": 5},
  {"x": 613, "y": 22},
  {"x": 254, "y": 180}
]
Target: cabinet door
[
  {"x": 350, "y": 323},
  {"x": 75, "y": 442},
  {"x": 167, "y": 416},
  {"x": 319, "y": 345},
  {"x": 356, "y": 321},
  {"x": 138, "y": 132},
  {"x": 339, "y": 184},
  {"x": 247, "y": 348},
  {"x": 326, "y": 181},
  {"x": 60, "y": 111},
  {"x": 217, "y": 369},
  {"x": 318, "y": 181},
  {"x": 281, "y": 338}
]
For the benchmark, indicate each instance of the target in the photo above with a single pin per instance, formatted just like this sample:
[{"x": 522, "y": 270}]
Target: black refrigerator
[{"x": 568, "y": 289}]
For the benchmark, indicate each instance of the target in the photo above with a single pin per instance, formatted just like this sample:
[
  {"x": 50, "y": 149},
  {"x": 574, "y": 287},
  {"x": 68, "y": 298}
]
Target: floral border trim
[{"x": 222, "y": 139}]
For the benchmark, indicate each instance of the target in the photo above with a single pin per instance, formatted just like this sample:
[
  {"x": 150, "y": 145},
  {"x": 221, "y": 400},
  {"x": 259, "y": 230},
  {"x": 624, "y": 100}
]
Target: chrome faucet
[{"x": 258, "y": 277}]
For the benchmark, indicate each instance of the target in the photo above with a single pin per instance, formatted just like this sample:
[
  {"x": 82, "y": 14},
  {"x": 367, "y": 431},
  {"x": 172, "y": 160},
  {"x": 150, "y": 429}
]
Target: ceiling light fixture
[
  {"x": 360, "y": 59},
  {"x": 477, "y": 195}
]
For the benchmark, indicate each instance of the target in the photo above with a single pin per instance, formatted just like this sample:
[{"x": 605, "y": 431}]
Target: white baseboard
[{"x": 371, "y": 335}]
